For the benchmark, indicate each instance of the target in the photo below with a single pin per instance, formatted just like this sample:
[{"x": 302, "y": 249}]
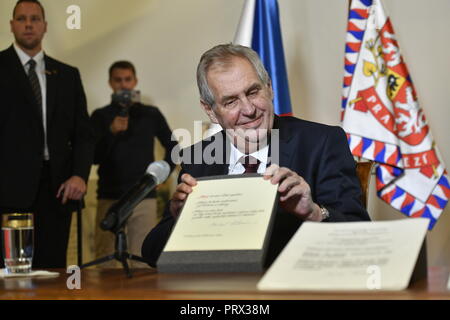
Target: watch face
[{"x": 325, "y": 213}]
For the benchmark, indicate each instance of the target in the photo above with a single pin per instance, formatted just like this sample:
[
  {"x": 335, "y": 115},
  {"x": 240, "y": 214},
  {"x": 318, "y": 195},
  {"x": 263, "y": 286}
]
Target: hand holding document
[
  {"x": 225, "y": 214},
  {"x": 224, "y": 226},
  {"x": 348, "y": 256}
]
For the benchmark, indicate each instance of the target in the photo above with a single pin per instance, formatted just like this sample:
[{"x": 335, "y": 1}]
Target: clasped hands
[{"x": 295, "y": 193}]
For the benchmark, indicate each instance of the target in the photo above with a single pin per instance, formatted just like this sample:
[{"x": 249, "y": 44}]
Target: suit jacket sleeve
[
  {"x": 164, "y": 135},
  {"x": 83, "y": 139},
  {"x": 337, "y": 186},
  {"x": 156, "y": 240}
]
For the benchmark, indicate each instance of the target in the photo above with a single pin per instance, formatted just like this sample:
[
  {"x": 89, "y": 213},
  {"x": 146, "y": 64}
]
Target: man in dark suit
[
  {"x": 46, "y": 142},
  {"x": 310, "y": 162}
]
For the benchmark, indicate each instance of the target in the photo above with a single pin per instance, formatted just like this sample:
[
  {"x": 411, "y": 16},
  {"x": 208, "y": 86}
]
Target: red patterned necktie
[{"x": 250, "y": 164}]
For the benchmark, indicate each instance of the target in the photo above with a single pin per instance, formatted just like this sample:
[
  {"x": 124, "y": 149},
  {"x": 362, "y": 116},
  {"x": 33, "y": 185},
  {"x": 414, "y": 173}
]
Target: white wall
[{"x": 165, "y": 39}]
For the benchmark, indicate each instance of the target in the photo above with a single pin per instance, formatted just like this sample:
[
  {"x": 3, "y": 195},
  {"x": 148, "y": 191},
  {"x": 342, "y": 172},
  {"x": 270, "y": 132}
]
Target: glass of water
[{"x": 17, "y": 238}]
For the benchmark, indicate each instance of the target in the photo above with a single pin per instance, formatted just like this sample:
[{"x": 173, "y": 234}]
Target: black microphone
[{"x": 156, "y": 173}]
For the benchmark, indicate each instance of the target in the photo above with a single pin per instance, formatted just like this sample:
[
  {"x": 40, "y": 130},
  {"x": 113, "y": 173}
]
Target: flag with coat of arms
[{"x": 383, "y": 120}]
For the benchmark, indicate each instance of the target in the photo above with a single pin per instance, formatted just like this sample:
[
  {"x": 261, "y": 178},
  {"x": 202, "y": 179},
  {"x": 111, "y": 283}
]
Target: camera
[{"x": 126, "y": 97}]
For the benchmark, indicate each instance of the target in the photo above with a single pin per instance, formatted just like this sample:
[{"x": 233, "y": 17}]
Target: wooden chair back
[{"x": 363, "y": 171}]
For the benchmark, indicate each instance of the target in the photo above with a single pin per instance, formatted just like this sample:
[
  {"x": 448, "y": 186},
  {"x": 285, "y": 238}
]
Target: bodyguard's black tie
[{"x": 34, "y": 81}]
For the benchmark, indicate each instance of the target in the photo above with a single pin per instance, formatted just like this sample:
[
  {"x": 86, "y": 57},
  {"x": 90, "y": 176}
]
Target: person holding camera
[{"x": 125, "y": 132}]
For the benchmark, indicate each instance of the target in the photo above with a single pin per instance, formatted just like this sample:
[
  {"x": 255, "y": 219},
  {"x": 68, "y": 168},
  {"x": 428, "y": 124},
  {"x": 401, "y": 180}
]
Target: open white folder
[{"x": 348, "y": 256}]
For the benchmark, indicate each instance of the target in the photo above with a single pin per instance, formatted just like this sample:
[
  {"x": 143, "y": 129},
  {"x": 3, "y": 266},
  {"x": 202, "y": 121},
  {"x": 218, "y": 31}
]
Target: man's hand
[
  {"x": 73, "y": 189},
  {"x": 181, "y": 193},
  {"x": 295, "y": 193},
  {"x": 119, "y": 124}
]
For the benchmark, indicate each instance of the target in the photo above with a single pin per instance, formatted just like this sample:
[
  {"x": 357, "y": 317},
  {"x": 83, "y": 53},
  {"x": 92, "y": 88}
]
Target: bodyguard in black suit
[
  {"x": 46, "y": 142},
  {"x": 311, "y": 162}
]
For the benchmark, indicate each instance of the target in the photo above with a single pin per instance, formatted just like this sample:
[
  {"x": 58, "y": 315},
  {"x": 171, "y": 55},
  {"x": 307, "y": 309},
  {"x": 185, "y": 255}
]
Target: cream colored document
[
  {"x": 448, "y": 283},
  {"x": 225, "y": 214},
  {"x": 348, "y": 256}
]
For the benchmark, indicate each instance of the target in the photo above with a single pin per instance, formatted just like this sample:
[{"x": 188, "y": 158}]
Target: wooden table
[{"x": 148, "y": 284}]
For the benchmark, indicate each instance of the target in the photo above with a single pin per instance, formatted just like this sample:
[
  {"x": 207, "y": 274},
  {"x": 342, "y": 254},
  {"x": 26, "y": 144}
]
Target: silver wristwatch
[{"x": 324, "y": 212}]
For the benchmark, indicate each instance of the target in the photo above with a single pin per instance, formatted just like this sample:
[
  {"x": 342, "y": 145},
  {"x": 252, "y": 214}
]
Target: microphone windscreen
[{"x": 160, "y": 170}]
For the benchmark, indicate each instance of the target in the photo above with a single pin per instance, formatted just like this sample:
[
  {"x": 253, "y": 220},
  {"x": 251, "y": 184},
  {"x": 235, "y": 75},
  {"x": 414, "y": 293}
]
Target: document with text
[
  {"x": 448, "y": 283},
  {"x": 225, "y": 214},
  {"x": 348, "y": 256}
]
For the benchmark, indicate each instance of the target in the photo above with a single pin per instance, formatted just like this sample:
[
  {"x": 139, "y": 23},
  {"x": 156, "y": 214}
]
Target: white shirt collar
[
  {"x": 236, "y": 155},
  {"x": 24, "y": 58}
]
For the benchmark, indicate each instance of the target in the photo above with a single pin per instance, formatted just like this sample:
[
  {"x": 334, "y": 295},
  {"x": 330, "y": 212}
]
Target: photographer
[{"x": 125, "y": 132}]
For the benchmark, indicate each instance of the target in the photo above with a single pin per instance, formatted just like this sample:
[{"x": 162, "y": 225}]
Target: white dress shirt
[
  {"x": 236, "y": 167},
  {"x": 40, "y": 72}
]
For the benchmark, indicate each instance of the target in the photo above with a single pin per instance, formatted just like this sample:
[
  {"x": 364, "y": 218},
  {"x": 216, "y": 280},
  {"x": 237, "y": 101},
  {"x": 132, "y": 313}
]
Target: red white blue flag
[
  {"x": 383, "y": 119},
  {"x": 259, "y": 28}
]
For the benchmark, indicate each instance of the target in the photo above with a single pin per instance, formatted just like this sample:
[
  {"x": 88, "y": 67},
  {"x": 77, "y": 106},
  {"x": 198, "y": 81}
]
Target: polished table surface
[{"x": 148, "y": 284}]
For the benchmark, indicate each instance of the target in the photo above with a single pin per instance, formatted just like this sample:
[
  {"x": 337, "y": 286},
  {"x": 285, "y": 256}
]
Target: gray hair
[{"x": 222, "y": 55}]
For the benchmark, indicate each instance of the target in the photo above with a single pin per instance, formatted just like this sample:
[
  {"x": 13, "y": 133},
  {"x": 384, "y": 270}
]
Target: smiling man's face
[{"x": 242, "y": 102}]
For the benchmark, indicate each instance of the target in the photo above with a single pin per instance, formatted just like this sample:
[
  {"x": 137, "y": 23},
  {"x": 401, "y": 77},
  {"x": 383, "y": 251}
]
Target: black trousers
[{"x": 51, "y": 225}]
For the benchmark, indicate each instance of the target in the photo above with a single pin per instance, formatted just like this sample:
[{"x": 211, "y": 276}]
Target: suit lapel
[
  {"x": 51, "y": 74},
  {"x": 286, "y": 147},
  {"x": 280, "y": 149},
  {"x": 216, "y": 170},
  {"x": 281, "y": 145},
  {"x": 220, "y": 165},
  {"x": 18, "y": 73}
]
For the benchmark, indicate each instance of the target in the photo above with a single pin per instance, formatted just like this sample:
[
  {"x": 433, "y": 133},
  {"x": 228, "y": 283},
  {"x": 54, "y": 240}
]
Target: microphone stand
[
  {"x": 121, "y": 210},
  {"x": 121, "y": 254},
  {"x": 79, "y": 233},
  {"x": 117, "y": 227}
]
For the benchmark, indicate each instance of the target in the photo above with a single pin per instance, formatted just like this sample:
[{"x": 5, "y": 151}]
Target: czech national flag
[{"x": 259, "y": 28}]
